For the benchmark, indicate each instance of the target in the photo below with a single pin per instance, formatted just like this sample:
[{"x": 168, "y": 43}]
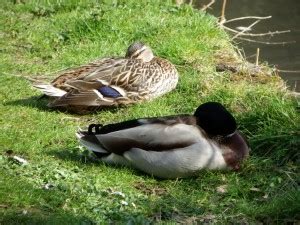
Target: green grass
[{"x": 38, "y": 39}]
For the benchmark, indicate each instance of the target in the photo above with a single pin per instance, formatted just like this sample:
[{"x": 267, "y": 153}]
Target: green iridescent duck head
[{"x": 139, "y": 50}]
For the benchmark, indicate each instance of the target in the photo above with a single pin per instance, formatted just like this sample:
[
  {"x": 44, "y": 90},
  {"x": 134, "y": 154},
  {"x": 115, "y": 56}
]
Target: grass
[{"x": 41, "y": 37}]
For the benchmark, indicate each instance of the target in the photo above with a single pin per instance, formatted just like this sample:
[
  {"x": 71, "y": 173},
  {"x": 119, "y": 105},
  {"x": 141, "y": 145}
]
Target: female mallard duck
[
  {"x": 113, "y": 81},
  {"x": 172, "y": 146}
]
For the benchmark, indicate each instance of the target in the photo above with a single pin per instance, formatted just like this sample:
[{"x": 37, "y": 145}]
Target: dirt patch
[{"x": 149, "y": 189}]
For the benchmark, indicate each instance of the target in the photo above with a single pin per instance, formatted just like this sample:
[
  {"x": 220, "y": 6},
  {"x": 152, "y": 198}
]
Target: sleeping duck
[
  {"x": 138, "y": 76},
  {"x": 171, "y": 146}
]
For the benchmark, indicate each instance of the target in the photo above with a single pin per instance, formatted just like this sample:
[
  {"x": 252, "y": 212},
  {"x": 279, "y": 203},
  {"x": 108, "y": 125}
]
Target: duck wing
[
  {"x": 84, "y": 71},
  {"x": 101, "y": 69},
  {"x": 154, "y": 134},
  {"x": 110, "y": 71},
  {"x": 81, "y": 98},
  {"x": 111, "y": 82},
  {"x": 91, "y": 93}
]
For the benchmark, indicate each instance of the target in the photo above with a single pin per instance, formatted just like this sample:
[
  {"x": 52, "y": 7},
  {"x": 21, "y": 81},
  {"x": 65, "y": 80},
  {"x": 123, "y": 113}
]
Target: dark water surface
[{"x": 285, "y": 16}]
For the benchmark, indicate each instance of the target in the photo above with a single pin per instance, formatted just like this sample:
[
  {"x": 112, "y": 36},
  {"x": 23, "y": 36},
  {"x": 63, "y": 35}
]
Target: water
[{"x": 285, "y": 16}]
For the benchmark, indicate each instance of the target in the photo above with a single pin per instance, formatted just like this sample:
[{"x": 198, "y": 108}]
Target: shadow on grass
[
  {"x": 186, "y": 201},
  {"x": 41, "y": 103},
  {"x": 38, "y": 102},
  {"x": 74, "y": 155},
  {"x": 90, "y": 159},
  {"x": 37, "y": 216}
]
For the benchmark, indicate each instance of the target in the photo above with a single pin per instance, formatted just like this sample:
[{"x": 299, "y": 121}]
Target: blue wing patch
[{"x": 109, "y": 92}]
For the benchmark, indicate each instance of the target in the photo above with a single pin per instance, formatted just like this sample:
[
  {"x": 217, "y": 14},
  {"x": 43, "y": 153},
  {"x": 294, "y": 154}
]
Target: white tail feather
[
  {"x": 90, "y": 146},
  {"x": 50, "y": 90}
]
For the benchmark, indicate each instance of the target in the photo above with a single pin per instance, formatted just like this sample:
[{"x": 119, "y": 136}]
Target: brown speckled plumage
[{"x": 138, "y": 77}]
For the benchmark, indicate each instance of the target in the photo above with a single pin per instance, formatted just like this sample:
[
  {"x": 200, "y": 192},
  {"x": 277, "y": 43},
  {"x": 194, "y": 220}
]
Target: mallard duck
[
  {"x": 171, "y": 146},
  {"x": 136, "y": 77}
]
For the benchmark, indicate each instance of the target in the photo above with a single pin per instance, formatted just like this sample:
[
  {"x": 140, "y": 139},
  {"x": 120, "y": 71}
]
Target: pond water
[{"x": 285, "y": 16}]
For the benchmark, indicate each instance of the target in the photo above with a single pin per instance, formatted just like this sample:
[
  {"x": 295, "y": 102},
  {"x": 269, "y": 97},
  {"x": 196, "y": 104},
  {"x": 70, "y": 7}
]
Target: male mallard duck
[
  {"x": 113, "y": 81},
  {"x": 172, "y": 146}
]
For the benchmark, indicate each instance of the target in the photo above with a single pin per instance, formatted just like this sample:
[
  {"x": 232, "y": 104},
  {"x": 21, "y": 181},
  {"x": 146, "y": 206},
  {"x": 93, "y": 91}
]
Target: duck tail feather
[
  {"x": 91, "y": 142},
  {"x": 50, "y": 90}
]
